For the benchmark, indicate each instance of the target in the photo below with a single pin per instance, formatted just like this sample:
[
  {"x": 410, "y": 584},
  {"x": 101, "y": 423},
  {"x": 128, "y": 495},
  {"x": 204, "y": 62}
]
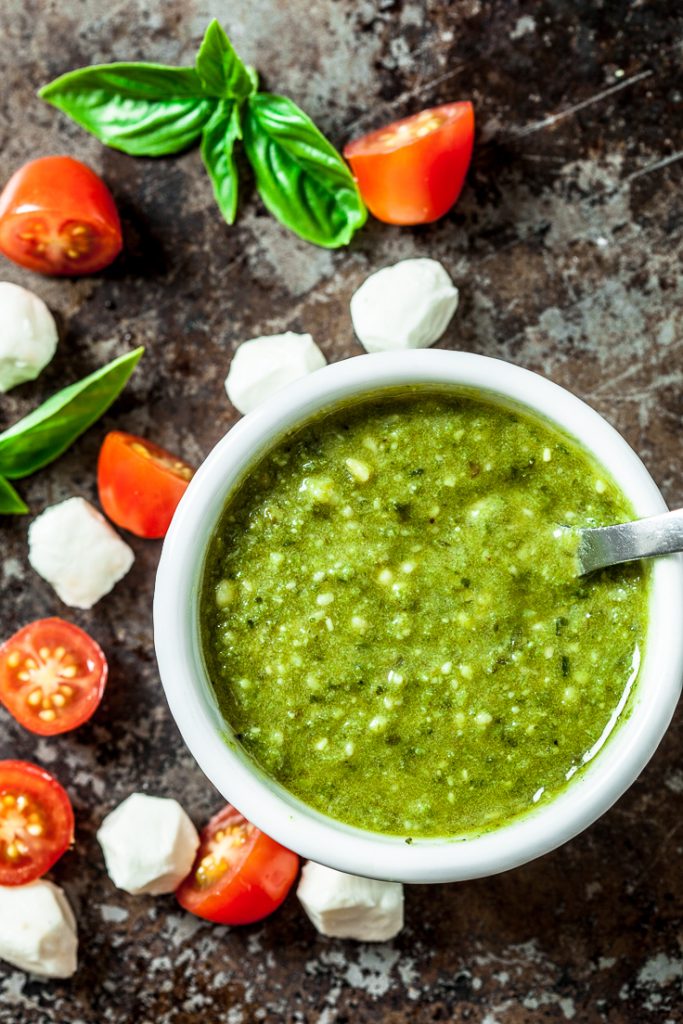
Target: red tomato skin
[
  {"x": 24, "y": 777},
  {"x": 419, "y": 181},
  {"x": 30, "y": 639},
  {"x": 135, "y": 492},
  {"x": 254, "y": 900},
  {"x": 255, "y": 891},
  {"x": 59, "y": 189}
]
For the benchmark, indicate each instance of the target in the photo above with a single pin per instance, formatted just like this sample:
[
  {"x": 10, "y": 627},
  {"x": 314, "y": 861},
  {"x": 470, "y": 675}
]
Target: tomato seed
[{"x": 140, "y": 449}]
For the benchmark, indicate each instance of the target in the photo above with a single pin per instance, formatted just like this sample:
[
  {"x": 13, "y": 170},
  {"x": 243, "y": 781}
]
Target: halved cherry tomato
[
  {"x": 58, "y": 217},
  {"x": 239, "y": 875},
  {"x": 412, "y": 171},
  {"x": 52, "y": 676},
  {"x": 140, "y": 484},
  {"x": 36, "y": 822}
]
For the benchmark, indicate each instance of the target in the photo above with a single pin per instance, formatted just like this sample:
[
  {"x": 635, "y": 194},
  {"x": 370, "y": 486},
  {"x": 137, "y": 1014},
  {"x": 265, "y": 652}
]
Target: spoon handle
[{"x": 610, "y": 545}]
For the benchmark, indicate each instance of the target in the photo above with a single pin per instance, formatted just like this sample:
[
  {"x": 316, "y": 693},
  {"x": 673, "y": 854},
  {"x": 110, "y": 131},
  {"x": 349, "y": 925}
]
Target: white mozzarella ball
[
  {"x": 28, "y": 335},
  {"x": 261, "y": 366},
  {"x": 149, "y": 844},
  {"x": 350, "y": 907},
  {"x": 75, "y": 549},
  {"x": 38, "y": 930},
  {"x": 405, "y": 306}
]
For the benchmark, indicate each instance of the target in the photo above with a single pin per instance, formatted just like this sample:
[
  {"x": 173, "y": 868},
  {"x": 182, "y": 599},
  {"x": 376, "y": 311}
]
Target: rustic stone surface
[{"x": 566, "y": 246}]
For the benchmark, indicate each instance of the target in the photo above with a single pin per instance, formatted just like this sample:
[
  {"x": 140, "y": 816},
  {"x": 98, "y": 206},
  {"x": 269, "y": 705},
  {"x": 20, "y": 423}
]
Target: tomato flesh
[
  {"x": 36, "y": 822},
  {"x": 58, "y": 217},
  {"x": 52, "y": 676},
  {"x": 240, "y": 875},
  {"x": 412, "y": 171},
  {"x": 140, "y": 484}
]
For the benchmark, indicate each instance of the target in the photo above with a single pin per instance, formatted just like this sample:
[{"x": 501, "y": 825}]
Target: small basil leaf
[
  {"x": 300, "y": 176},
  {"x": 10, "y": 502},
  {"x": 253, "y": 75},
  {"x": 220, "y": 69},
  {"x": 141, "y": 109},
  {"x": 218, "y": 141},
  {"x": 50, "y": 429}
]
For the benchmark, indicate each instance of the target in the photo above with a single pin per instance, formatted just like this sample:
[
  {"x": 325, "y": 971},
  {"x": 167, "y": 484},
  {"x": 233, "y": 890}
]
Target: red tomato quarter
[
  {"x": 412, "y": 171},
  {"x": 52, "y": 676},
  {"x": 239, "y": 875},
  {"x": 140, "y": 484},
  {"x": 58, "y": 217},
  {"x": 36, "y": 822}
]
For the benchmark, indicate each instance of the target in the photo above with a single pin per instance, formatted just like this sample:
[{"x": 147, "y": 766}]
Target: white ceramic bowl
[{"x": 263, "y": 801}]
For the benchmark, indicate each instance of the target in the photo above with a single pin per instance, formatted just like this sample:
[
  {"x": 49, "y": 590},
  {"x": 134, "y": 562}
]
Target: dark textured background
[{"x": 566, "y": 246}]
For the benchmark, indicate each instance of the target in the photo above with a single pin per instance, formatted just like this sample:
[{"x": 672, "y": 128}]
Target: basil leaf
[
  {"x": 222, "y": 72},
  {"x": 300, "y": 176},
  {"x": 218, "y": 141},
  {"x": 10, "y": 502},
  {"x": 142, "y": 109},
  {"x": 48, "y": 431},
  {"x": 253, "y": 75}
]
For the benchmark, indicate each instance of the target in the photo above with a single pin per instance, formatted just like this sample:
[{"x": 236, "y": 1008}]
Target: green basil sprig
[
  {"x": 142, "y": 109},
  {"x": 220, "y": 69},
  {"x": 154, "y": 110},
  {"x": 299, "y": 175},
  {"x": 49, "y": 430},
  {"x": 218, "y": 143}
]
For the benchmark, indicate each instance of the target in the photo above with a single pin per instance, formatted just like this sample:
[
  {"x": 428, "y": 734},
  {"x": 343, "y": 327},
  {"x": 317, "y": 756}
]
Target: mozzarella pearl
[
  {"x": 28, "y": 335},
  {"x": 262, "y": 366},
  {"x": 405, "y": 306}
]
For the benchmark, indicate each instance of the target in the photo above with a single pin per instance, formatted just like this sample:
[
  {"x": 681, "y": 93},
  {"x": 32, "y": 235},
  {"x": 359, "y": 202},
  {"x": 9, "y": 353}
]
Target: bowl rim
[{"x": 268, "y": 805}]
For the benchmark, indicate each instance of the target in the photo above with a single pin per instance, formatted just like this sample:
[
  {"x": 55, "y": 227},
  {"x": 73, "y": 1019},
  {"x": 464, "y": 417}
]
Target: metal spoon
[{"x": 610, "y": 545}]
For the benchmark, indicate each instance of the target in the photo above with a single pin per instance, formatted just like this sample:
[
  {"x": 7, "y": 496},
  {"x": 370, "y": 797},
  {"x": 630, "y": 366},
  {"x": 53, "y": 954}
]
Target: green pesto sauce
[{"x": 394, "y": 630}]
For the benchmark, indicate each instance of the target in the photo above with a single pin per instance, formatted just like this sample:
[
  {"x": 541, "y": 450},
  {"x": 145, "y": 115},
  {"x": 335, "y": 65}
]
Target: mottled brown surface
[{"x": 566, "y": 246}]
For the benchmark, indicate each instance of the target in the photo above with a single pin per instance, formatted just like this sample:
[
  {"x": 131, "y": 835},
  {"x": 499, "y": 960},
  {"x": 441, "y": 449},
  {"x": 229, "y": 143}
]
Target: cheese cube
[
  {"x": 38, "y": 930},
  {"x": 149, "y": 844},
  {"x": 350, "y": 907},
  {"x": 75, "y": 549}
]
